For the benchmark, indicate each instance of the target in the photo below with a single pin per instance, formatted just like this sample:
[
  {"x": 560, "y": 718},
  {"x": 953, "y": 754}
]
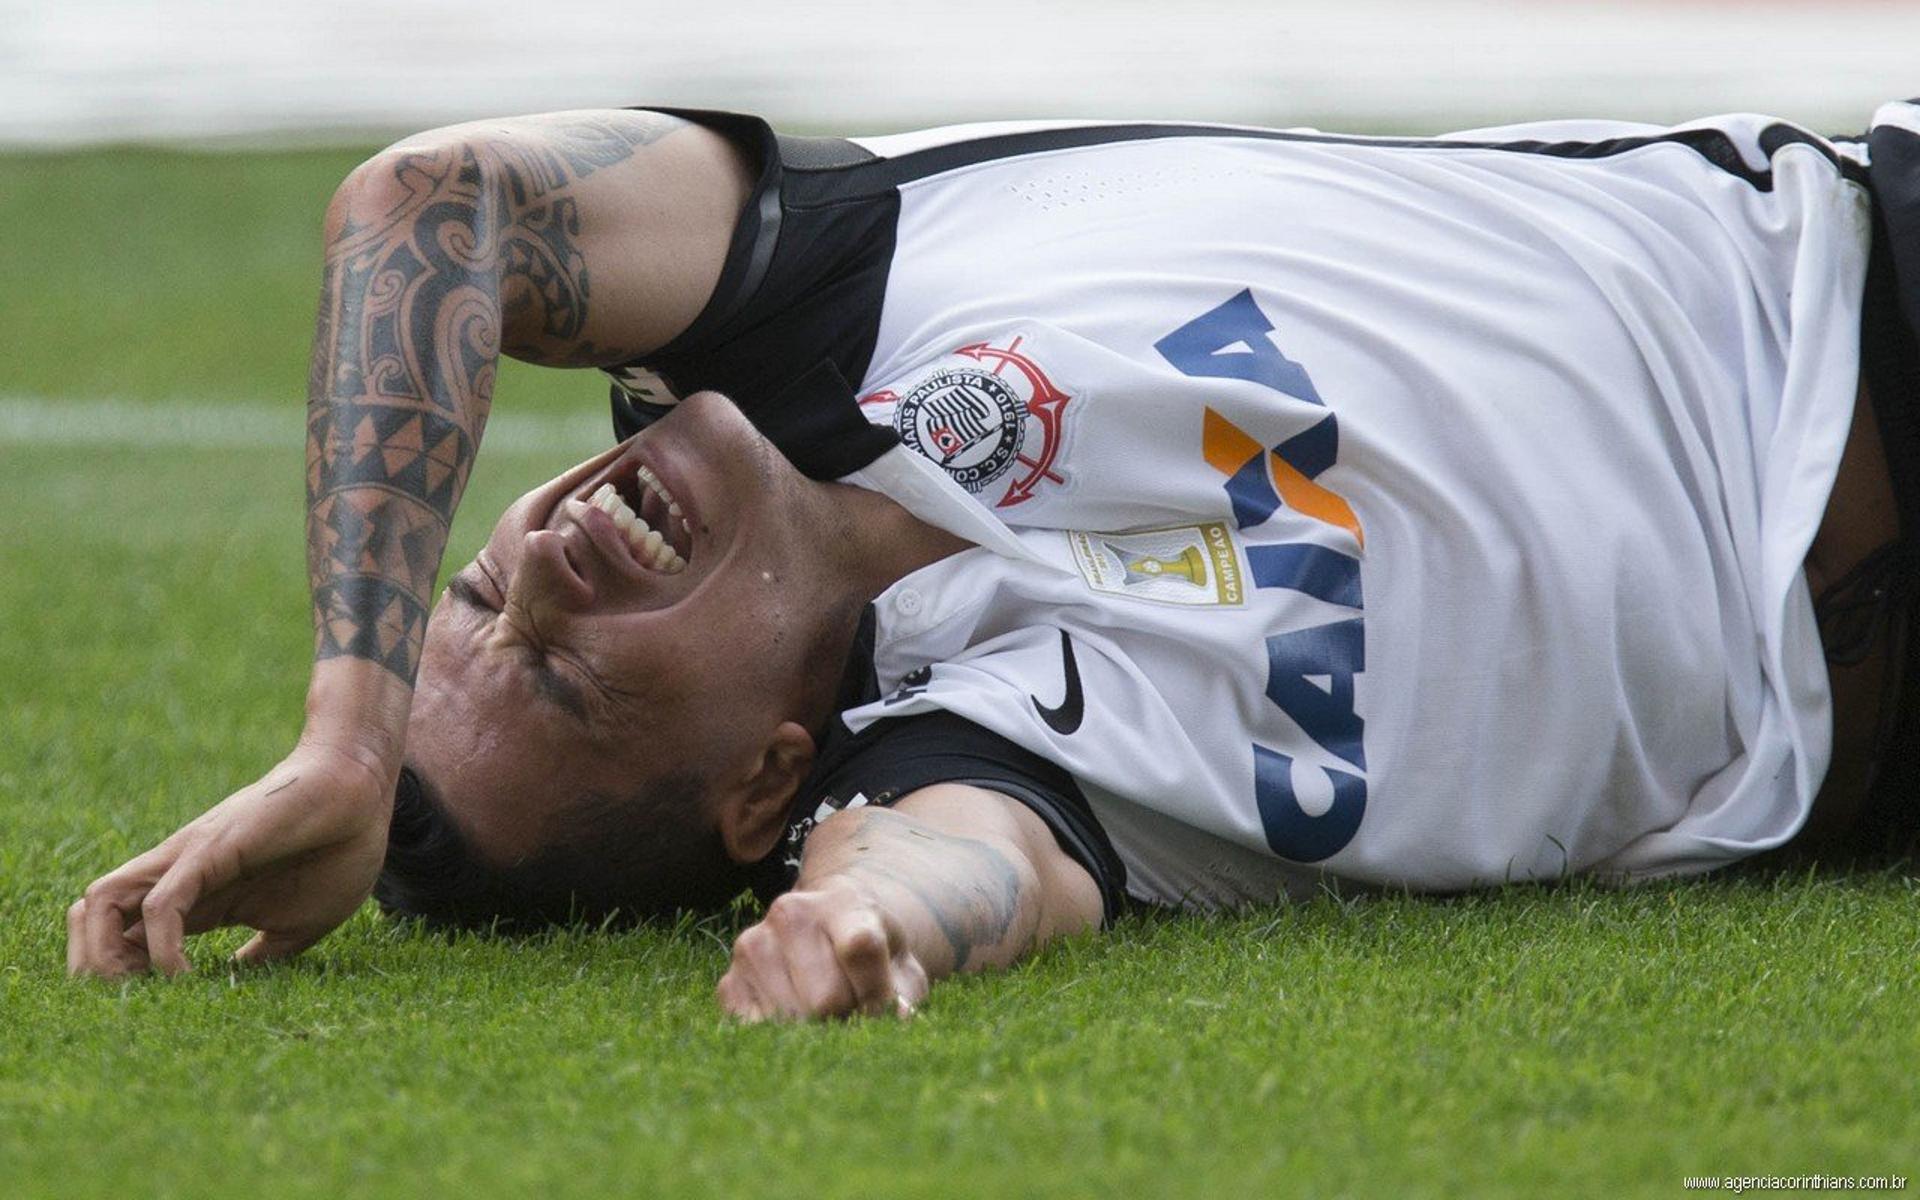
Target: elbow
[
  {"x": 404, "y": 178},
  {"x": 368, "y": 190}
]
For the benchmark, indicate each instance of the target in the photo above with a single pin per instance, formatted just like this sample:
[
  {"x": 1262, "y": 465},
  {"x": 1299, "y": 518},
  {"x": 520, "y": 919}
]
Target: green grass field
[{"x": 153, "y": 652}]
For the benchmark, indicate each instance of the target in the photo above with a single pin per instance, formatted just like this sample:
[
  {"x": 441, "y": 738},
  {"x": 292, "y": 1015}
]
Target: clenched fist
[{"x": 825, "y": 952}]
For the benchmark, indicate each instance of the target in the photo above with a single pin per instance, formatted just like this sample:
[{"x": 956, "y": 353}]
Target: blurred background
[
  {"x": 164, "y": 164},
  {"x": 265, "y": 71}
]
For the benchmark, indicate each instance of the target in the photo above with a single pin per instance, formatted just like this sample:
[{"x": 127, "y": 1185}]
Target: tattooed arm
[
  {"x": 569, "y": 239},
  {"x": 953, "y": 878},
  {"x": 552, "y": 239}
]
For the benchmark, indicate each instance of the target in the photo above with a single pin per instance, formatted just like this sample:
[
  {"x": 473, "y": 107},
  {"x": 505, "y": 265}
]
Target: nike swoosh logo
[{"x": 1064, "y": 718}]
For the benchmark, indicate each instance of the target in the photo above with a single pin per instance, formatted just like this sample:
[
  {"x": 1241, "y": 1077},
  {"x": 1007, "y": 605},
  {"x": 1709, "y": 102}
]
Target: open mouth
[{"x": 649, "y": 517}]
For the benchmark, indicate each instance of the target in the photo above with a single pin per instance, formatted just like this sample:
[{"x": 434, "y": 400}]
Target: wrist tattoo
[
  {"x": 968, "y": 887},
  {"x": 414, "y": 306}
]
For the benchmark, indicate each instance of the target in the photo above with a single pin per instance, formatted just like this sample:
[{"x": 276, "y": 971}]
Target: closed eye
[
  {"x": 552, "y": 686},
  {"x": 557, "y": 689},
  {"x": 462, "y": 589}
]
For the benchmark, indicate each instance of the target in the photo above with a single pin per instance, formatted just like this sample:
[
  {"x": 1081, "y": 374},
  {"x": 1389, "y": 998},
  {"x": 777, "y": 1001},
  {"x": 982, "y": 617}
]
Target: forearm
[
  {"x": 952, "y": 878},
  {"x": 405, "y": 347},
  {"x": 962, "y": 903},
  {"x": 406, "y": 344},
  {"x": 442, "y": 252}
]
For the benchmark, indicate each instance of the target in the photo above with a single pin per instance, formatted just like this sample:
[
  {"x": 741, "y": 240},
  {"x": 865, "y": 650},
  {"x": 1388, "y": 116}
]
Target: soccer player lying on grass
[{"x": 1016, "y": 520}]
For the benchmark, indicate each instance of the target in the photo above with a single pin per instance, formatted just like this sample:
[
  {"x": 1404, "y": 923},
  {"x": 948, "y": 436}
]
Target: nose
[{"x": 547, "y": 581}]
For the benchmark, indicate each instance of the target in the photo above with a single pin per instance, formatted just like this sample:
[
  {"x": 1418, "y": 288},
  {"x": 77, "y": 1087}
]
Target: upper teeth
[
  {"x": 651, "y": 483},
  {"x": 648, "y": 545}
]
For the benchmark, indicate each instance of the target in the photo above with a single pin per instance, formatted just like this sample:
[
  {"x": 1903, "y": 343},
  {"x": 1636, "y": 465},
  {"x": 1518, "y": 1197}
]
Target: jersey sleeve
[
  {"x": 893, "y": 759},
  {"x": 790, "y": 327}
]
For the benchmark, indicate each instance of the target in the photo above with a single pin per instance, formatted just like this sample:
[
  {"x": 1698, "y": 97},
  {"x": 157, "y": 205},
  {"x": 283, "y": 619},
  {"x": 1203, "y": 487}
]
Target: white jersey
[{"x": 1416, "y": 513}]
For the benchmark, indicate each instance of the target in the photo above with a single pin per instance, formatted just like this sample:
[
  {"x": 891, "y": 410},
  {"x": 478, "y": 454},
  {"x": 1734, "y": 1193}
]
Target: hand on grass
[
  {"x": 291, "y": 856},
  {"x": 827, "y": 952}
]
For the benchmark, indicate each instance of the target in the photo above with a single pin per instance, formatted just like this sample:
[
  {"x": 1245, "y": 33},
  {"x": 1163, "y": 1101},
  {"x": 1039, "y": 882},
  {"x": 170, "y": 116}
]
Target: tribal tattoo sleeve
[{"x": 478, "y": 250}]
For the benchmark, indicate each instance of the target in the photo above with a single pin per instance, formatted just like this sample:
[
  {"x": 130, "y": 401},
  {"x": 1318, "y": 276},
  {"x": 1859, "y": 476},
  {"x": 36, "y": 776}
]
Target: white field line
[{"x": 44, "y": 421}]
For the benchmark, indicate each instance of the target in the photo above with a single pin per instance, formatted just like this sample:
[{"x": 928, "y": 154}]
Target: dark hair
[{"x": 622, "y": 860}]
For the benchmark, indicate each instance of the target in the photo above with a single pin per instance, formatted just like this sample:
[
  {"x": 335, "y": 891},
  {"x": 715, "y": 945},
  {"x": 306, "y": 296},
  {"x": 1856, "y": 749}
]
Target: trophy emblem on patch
[{"x": 1189, "y": 566}]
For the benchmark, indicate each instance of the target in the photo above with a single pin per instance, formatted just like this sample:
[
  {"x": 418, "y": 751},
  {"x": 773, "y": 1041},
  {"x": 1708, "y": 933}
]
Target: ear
[{"x": 752, "y": 814}]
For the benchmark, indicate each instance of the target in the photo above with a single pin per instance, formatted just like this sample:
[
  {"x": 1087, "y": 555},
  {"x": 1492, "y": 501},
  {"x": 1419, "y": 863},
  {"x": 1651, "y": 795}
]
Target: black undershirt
[{"x": 896, "y": 756}]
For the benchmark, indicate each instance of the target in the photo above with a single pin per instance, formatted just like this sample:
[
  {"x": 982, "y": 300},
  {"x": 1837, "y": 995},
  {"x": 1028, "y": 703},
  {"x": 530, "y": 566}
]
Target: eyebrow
[{"x": 553, "y": 687}]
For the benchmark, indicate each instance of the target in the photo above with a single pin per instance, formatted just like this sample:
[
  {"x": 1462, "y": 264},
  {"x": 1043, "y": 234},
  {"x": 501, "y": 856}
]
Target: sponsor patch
[
  {"x": 1182, "y": 564},
  {"x": 989, "y": 416}
]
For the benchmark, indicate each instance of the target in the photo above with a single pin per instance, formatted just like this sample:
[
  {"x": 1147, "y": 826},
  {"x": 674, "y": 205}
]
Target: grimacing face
[{"x": 562, "y": 661}]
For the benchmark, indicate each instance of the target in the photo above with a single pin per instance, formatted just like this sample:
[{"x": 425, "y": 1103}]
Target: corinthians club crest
[{"x": 985, "y": 414}]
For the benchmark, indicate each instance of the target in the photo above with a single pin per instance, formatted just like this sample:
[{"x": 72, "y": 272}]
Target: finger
[
  {"x": 759, "y": 957},
  {"x": 97, "y": 940},
  {"x": 116, "y": 958},
  {"x": 164, "y": 910},
  {"x": 197, "y": 922},
  {"x": 860, "y": 948},
  {"x": 910, "y": 983},
  {"x": 104, "y": 948},
  {"x": 149, "y": 865},
  {"x": 738, "y": 1000},
  {"x": 76, "y": 933},
  {"x": 816, "y": 973},
  {"x": 800, "y": 955},
  {"x": 166, "y": 948},
  {"x": 266, "y": 947},
  {"x": 726, "y": 994}
]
